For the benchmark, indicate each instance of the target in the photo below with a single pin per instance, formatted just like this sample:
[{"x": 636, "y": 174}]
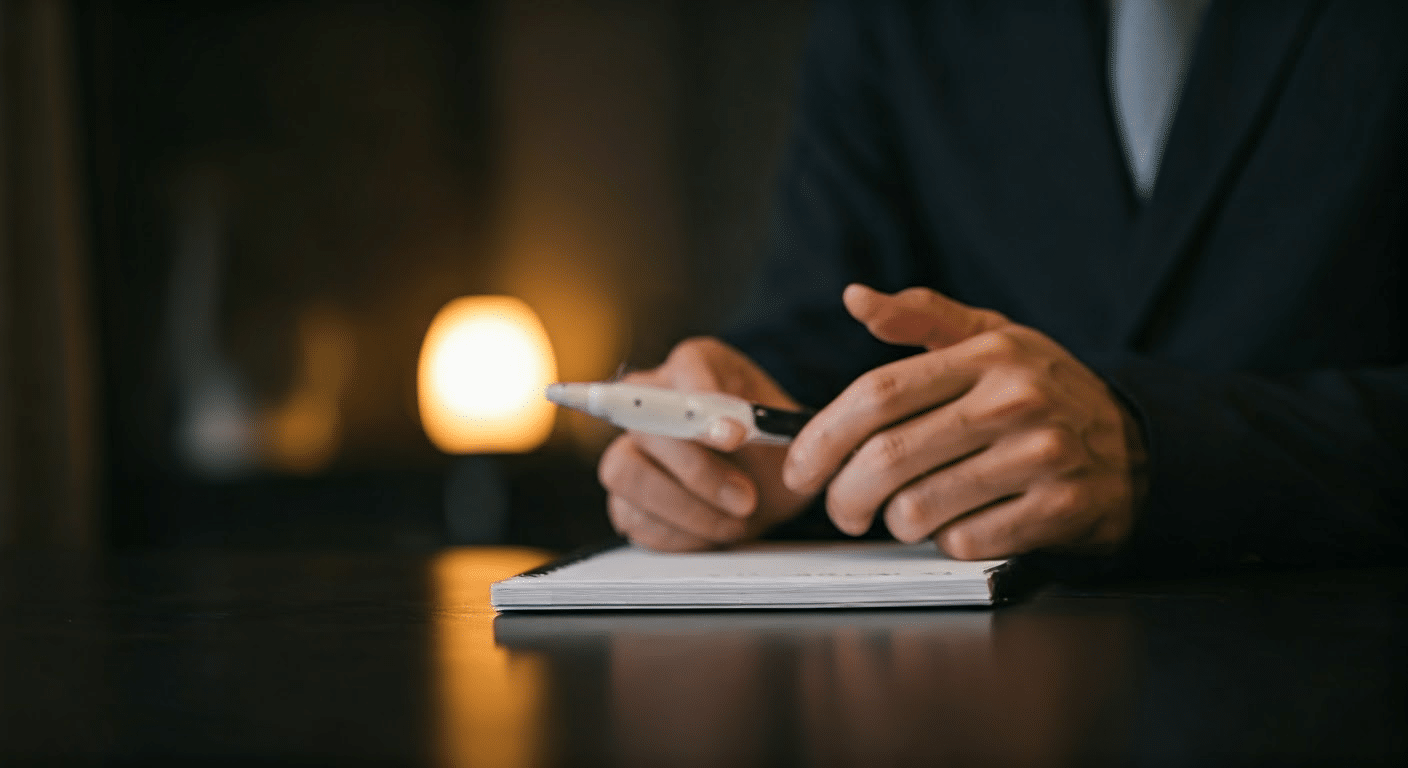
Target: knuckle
[
  {"x": 1029, "y": 394},
  {"x": 652, "y": 376},
  {"x": 996, "y": 409},
  {"x": 691, "y": 348},
  {"x": 995, "y": 319},
  {"x": 1001, "y": 345},
  {"x": 689, "y": 362},
  {"x": 1067, "y": 499},
  {"x": 937, "y": 364},
  {"x": 965, "y": 421},
  {"x": 1051, "y": 449},
  {"x": 879, "y": 386},
  {"x": 701, "y": 347},
  {"x": 885, "y": 451},
  {"x": 1019, "y": 396}
]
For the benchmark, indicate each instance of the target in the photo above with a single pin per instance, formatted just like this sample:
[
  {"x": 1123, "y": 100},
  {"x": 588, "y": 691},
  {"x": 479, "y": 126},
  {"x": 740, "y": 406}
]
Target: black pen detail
[{"x": 776, "y": 421}]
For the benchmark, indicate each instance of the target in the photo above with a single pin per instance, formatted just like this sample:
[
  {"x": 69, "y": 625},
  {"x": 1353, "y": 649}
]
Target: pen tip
[{"x": 570, "y": 395}]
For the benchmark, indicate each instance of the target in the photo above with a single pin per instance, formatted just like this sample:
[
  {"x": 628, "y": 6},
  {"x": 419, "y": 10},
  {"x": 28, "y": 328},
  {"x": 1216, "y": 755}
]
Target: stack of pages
[{"x": 755, "y": 575}]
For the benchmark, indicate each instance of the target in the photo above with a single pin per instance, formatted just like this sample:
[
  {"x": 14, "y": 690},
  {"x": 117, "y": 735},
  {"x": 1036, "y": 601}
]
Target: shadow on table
[{"x": 840, "y": 687}]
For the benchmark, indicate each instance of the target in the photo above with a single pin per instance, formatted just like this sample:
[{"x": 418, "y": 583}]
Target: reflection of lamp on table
[{"x": 483, "y": 367}]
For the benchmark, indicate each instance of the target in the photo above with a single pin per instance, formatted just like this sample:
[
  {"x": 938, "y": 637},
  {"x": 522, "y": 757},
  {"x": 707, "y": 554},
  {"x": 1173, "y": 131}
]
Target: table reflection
[
  {"x": 250, "y": 657},
  {"x": 490, "y": 706},
  {"x": 1014, "y": 686}
]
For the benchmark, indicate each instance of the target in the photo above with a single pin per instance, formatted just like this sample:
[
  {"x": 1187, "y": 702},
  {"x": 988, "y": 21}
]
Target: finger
[
  {"x": 891, "y": 459},
  {"x": 725, "y": 435},
  {"x": 707, "y": 364},
  {"x": 917, "y": 316},
  {"x": 1006, "y": 469},
  {"x": 701, "y": 364},
  {"x": 649, "y": 531},
  {"x": 637, "y": 474},
  {"x": 988, "y": 369},
  {"x": 879, "y": 398},
  {"x": 651, "y": 377},
  {"x": 687, "y": 368},
  {"x": 1042, "y": 517},
  {"x": 702, "y": 473},
  {"x": 690, "y": 372}
]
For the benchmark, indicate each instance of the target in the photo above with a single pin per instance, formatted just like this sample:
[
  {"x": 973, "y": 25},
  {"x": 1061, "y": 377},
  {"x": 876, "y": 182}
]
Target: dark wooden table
[{"x": 219, "y": 657}]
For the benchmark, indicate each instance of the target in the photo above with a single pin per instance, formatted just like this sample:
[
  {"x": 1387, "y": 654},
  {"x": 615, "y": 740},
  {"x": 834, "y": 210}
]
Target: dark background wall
[{"x": 284, "y": 193}]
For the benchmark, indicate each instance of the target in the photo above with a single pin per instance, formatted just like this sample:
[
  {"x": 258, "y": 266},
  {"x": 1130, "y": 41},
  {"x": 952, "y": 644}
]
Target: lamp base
[{"x": 476, "y": 501}]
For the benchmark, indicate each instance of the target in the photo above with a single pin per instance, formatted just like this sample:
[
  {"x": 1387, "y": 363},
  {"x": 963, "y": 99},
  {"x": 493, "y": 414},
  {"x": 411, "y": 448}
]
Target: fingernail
[{"x": 736, "y": 497}]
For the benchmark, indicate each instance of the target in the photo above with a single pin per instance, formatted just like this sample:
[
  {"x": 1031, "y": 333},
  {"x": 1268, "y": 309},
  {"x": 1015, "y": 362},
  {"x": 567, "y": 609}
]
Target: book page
[{"x": 776, "y": 560}]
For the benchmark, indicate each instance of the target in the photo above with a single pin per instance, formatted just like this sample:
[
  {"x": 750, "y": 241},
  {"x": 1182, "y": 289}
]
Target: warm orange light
[
  {"x": 483, "y": 367},
  {"x": 492, "y": 703}
]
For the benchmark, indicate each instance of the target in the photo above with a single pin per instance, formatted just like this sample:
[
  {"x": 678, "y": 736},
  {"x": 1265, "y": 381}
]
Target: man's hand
[
  {"x": 994, "y": 442},
  {"x": 676, "y": 495}
]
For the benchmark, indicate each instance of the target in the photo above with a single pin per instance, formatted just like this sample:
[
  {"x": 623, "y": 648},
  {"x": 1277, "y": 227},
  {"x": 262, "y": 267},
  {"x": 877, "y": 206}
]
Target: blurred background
[{"x": 228, "y": 226}]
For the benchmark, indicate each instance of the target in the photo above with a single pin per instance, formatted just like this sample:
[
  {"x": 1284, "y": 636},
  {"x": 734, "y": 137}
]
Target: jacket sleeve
[
  {"x": 840, "y": 217},
  {"x": 1308, "y": 468},
  {"x": 1299, "y": 469}
]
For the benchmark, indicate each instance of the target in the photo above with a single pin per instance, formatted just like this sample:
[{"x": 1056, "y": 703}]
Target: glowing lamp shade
[{"x": 483, "y": 367}]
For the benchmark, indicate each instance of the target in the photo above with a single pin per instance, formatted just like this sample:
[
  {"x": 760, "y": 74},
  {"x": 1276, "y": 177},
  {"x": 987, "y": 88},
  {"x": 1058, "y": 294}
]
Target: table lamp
[{"x": 483, "y": 367}]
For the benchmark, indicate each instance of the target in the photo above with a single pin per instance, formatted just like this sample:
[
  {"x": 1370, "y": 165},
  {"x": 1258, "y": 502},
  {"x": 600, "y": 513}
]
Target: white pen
[{"x": 672, "y": 413}]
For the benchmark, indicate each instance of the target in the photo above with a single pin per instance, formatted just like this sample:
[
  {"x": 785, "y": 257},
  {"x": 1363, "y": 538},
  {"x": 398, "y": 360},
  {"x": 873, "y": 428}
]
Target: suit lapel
[{"x": 1241, "y": 60}]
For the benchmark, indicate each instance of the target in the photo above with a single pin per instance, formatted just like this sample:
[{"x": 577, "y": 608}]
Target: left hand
[{"x": 994, "y": 442}]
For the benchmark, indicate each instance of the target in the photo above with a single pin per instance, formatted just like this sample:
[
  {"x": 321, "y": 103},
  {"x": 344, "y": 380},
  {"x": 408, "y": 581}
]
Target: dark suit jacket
[{"x": 1254, "y": 312}]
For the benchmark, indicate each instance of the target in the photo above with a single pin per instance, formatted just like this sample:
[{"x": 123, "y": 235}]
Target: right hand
[{"x": 683, "y": 496}]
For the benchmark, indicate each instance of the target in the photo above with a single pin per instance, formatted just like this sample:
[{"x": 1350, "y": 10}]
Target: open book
[{"x": 755, "y": 575}]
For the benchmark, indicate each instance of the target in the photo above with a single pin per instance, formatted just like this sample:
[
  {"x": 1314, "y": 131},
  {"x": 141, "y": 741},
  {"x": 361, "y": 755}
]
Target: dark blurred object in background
[
  {"x": 49, "y": 452},
  {"x": 283, "y": 194}
]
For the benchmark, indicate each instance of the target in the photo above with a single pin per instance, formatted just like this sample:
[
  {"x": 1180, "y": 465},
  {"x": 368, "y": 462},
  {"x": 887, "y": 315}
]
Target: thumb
[{"x": 917, "y": 317}]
